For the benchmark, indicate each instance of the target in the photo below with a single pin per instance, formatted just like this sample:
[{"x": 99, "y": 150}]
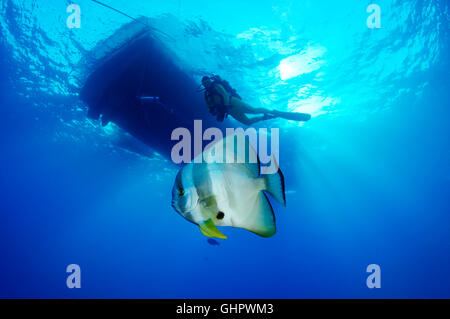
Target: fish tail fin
[{"x": 275, "y": 186}]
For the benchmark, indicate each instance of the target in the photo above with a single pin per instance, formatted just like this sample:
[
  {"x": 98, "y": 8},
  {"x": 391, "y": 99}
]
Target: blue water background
[{"x": 367, "y": 179}]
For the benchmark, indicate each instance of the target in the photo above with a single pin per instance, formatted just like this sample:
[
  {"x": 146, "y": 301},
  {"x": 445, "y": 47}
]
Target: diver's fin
[
  {"x": 261, "y": 219},
  {"x": 275, "y": 186},
  {"x": 293, "y": 116},
  {"x": 210, "y": 230}
]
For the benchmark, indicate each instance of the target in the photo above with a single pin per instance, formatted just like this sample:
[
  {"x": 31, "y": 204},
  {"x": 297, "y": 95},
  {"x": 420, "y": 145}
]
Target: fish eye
[
  {"x": 220, "y": 215},
  {"x": 180, "y": 191}
]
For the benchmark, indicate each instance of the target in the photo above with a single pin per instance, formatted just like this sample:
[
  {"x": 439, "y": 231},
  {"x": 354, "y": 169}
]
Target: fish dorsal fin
[
  {"x": 234, "y": 148},
  {"x": 209, "y": 229}
]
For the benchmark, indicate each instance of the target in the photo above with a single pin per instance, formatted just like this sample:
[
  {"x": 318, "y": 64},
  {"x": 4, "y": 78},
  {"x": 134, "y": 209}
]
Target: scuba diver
[{"x": 222, "y": 100}]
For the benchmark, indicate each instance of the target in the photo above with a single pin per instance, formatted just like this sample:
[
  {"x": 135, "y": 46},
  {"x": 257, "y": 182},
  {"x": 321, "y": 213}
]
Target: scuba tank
[
  {"x": 231, "y": 91},
  {"x": 220, "y": 110}
]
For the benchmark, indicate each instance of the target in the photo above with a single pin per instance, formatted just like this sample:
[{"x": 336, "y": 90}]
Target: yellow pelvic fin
[{"x": 210, "y": 230}]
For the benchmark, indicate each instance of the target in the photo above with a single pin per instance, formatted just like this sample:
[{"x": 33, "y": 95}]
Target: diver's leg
[
  {"x": 244, "y": 119},
  {"x": 241, "y": 108},
  {"x": 246, "y": 108}
]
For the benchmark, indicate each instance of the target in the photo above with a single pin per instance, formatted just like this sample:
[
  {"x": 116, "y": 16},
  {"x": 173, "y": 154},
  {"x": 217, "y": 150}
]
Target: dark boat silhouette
[{"x": 134, "y": 82}]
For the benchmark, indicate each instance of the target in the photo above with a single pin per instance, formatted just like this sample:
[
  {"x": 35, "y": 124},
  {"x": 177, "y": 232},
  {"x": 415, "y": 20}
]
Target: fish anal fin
[{"x": 261, "y": 220}]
